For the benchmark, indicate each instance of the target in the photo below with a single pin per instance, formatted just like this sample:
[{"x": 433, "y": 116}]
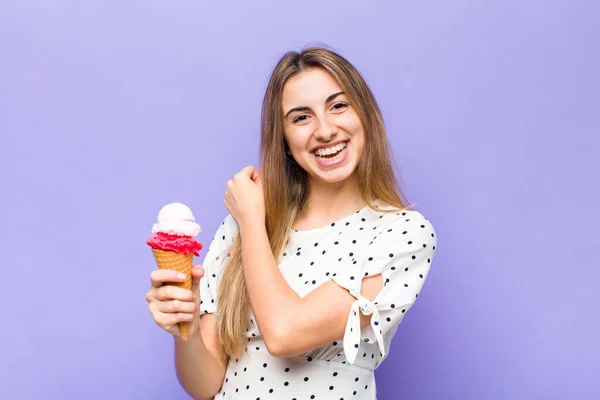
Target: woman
[{"x": 308, "y": 278}]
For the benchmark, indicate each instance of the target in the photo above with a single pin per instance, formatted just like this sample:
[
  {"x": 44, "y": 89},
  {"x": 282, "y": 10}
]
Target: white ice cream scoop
[{"x": 176, "y": 219}]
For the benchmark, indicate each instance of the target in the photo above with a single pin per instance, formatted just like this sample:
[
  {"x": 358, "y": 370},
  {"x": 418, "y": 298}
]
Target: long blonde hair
[{"x": 285, "y": 183}]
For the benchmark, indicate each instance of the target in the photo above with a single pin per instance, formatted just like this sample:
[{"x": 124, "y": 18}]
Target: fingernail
[{"x": 181, "y": 277}]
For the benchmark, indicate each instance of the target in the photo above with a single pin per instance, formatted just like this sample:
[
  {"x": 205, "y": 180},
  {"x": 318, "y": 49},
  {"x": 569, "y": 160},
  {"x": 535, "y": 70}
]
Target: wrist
[
  {"x": 191, "y": 340},
  {"x": 251, "y": 224}
]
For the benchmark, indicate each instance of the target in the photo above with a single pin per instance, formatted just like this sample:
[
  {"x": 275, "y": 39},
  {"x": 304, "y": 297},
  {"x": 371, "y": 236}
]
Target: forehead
[{"x": 309, "y": 88}]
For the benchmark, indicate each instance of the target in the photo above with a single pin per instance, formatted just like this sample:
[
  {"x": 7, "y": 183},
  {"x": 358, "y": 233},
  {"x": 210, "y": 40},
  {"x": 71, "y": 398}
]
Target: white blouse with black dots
[{"x": 400, "y": 246}]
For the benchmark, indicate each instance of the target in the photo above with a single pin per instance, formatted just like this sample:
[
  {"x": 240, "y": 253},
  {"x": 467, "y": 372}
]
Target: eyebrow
[{"x": 304, "y": 108}]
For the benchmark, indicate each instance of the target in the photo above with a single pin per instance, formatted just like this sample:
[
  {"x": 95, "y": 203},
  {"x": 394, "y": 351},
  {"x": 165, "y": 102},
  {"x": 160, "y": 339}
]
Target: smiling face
[{"x": 322, "y": 129}]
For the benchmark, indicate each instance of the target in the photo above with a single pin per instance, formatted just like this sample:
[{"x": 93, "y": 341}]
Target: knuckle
[
  {"x": 154, "y": 275},
  {"x": 182, "y": 316},
  {"x": 160, "y": 321},
  {"x": 148, "y": 297}
]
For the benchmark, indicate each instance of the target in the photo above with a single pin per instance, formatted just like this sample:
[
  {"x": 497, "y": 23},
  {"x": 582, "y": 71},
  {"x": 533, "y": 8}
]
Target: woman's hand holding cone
[{"x": 170, "y": 304}]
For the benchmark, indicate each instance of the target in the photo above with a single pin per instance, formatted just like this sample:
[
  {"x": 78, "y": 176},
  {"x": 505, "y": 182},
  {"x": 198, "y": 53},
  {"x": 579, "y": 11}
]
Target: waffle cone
[{"x": 180, "y": 263}]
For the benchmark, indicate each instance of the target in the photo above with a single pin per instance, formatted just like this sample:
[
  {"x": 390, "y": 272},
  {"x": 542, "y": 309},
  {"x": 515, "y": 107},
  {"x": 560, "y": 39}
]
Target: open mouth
[
  {"x": 332, "y": 152},
  {"x": 332, "y": 156}
]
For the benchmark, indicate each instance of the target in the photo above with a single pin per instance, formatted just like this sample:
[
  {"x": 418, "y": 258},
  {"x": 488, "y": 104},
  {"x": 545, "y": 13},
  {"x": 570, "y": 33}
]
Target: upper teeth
[{"x": 330, "y": 150}]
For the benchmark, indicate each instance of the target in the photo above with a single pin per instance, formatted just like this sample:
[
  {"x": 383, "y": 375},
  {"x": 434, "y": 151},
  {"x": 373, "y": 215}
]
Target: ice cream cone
[{"x": 180, "y": 263}]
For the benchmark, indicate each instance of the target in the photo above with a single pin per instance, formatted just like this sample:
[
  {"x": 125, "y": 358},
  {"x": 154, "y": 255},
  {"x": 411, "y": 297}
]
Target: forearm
[
  {"x": 273, "y": 301},
  {"x": 198, "y": 370}
]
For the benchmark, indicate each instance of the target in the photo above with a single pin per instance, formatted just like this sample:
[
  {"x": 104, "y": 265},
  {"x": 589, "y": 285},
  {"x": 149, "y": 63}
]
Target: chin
[{"x": 338, "y": 176}]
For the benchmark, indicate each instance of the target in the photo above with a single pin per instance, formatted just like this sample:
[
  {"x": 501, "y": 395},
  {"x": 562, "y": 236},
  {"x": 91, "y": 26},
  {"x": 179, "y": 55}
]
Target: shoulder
[{"x": 388, "y": 215}]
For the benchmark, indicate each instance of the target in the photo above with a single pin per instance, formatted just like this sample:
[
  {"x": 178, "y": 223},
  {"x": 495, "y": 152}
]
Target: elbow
[{"x": 278, "y": 343}]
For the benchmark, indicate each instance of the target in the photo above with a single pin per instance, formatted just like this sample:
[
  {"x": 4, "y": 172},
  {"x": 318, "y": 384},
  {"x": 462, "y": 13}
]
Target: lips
[
  {"x": 332, "y": 159},
  {"x": 329, "y": 146}
]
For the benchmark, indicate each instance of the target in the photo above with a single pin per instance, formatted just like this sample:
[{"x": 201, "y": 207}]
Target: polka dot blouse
[{"x": 399, "y": 245}]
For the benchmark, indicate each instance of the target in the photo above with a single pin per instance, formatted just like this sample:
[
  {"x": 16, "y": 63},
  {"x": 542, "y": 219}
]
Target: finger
[
  {"x": 176, "y": 306},
  {"x": 247, "y": 172},
  {"x": 170, "y": 319},
  {"x": 198, "y": 273},
  {"x": 169, "y": 292},
  {"x": 159, "y": 277}
]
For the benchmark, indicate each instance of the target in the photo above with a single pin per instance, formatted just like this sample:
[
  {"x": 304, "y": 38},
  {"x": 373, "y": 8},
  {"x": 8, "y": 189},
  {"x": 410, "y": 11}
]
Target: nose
[{"x": 325, "y": 129}]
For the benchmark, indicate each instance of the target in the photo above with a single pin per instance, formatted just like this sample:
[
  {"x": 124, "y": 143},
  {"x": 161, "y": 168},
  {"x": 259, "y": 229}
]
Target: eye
[
  {"x": 300, "y": 118},
  {"x": 339, "y": 106}
]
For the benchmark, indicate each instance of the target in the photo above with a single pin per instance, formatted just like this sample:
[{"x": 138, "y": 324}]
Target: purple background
[{"x": 109, "y": 110}]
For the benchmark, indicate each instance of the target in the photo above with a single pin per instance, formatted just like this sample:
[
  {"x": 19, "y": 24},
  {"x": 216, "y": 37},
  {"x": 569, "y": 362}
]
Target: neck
[{"x": 328, "y": 202}]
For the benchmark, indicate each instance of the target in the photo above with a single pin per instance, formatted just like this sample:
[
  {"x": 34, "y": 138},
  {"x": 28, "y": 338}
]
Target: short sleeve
[
  {"x": 402, "y": 253},
  {"x": 214, "y": 263}
]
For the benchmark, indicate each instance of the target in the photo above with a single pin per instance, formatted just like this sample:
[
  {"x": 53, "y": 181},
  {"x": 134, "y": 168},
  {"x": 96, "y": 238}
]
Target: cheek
[
  {"x": 352, "y": 123},
  {"x": 297, "y": 139}
]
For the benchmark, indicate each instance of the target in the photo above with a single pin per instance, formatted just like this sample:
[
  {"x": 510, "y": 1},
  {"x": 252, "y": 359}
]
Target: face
[{"x": 321, "y": 127}]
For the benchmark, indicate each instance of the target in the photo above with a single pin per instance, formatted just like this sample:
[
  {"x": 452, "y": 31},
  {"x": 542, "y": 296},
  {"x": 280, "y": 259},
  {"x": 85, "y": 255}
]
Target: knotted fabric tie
[{"x": 353, "y": 331}]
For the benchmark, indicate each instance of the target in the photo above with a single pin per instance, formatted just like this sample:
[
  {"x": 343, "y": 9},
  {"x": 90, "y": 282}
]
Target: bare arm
[
  {"x": 200, "y": 361},
  {"x": 290, "y": 324}
]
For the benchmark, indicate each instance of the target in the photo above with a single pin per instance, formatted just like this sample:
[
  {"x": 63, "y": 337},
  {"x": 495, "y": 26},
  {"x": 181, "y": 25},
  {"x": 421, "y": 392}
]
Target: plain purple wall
[{"x": 109, "y": 110}]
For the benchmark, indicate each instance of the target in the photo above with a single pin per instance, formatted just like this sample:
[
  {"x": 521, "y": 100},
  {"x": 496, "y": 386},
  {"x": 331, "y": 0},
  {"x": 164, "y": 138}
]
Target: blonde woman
[{"x": 308, "y": 278}]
